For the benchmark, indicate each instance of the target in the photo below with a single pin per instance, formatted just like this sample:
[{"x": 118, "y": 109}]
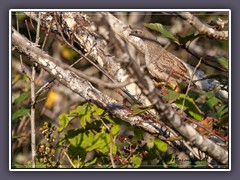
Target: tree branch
[{"x": 202, "y": 28}]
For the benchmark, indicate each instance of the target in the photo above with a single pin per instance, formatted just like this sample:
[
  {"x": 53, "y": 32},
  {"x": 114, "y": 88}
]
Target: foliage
[
  {"x": 20, "y": 113},
  {"x": 93, "y": 137}
]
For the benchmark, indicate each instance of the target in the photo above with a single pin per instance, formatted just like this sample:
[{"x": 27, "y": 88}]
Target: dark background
[{"x": 123, "y": 4}]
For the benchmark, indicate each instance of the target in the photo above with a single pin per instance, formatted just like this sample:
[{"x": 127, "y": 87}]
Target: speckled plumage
[{"x": 160, "y": 63}]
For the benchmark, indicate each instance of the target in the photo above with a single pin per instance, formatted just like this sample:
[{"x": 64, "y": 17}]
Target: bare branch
[
  {"x": 111, "y": 144},
  {"x": 69, "y": 159},
  {"x": 28, "y": 30},
  {"x": 33, "y": 98},
  {"x": 189, "y": 84},
  {"x": 202, "y": 28}
]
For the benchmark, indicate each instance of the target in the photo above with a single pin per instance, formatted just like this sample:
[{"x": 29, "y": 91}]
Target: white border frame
[{"x": 116, "y": 10}]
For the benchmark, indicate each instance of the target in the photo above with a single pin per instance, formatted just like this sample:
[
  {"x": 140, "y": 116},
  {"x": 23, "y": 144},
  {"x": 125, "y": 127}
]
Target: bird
[{"x": 161, "y": 64}]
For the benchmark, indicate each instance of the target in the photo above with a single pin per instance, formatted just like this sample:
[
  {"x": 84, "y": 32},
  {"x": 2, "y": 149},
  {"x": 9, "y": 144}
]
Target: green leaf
[
  {"x": 115, "y": 130},
  {"x": 82, "y": 109},
  {"x": 84, "y": 113},
  {"x": 98, "y": 142},
  {"x": 97, "y": 111},
  {"x": 222, "y": 61},
  {"x": 138, "y": 133},
  {"x": 207, "y": 106},
  {"x": 63, "y": 121},
  {"x": 170, "y": 94},
  {"x": 76, "y": 141},
  {"x": 20, "y": 98},
  {"x": 87, "y": 140},
  {"x": 160, "y": 28},
  {"x": 161, "y": 146},
  {"x": 222, "y": 110},
  {"x": 136, "y": 161},
  {"x": 83, "y": 121},
  {"x": 20, "y": 113},
  {"x": 82, "y": 140},
  {"x": 91, "y": 162},
  {"x": 190, "y": 107},
  {"x": 105, "y": 144},
  {"x": 210, "y": 95},
  {"x": 101, "y": 142},
  {"x": 201, "y": 163},
  {"x": 76, "y": 153},
  {"x": 169, "y": 159}
]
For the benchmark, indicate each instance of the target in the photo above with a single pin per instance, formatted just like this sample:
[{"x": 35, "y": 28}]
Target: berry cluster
[
  {"x": 128, "y": 149},
  {"x": 46, "y": 151},
  {"x": 47, "y": 130}
]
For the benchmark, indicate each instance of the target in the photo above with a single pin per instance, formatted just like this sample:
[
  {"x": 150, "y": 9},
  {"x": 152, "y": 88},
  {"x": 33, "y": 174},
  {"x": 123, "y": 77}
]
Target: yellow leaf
[{"x": 52, "y": 97}]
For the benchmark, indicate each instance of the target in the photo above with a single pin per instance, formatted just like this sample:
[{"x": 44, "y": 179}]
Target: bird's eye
[{"x": 136, "y": 32}]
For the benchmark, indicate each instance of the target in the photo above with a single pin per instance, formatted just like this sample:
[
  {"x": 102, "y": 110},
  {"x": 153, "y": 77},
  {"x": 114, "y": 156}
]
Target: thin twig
[
  {"x": 45, "y": 86},
  {"x": 29, "y": 34},
  {"x": 17, "y": 22},
  {"x": 188, "y": 88},
  {"x": 46, "y": 36},
  {"x": 70, "y": 161},
  {"x": 40, "y": 100},
  {"x": 38, "y": 29},
  {"x": 204, "y": 60},
  {"x": 33, "y": 130},
  {"x": 189, "y": 84},
  {"x": 111, "y": 144},
  {"x": 23, "y": 67},
  {"x": 31, "y": 22},
  {"x": 43, "y": 45},
  {"x": 20, "y": 56}
]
